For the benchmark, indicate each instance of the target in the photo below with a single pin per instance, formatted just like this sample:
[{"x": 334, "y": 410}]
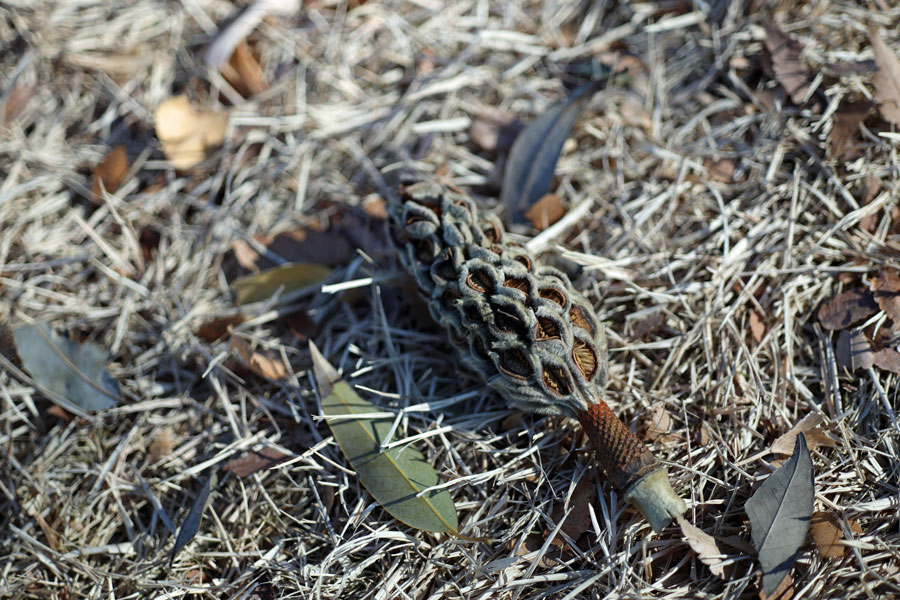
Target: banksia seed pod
[{"x": 524, "y": 328}]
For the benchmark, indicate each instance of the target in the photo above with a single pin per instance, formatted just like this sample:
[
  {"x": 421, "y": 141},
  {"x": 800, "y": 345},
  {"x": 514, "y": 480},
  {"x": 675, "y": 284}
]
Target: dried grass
[{"x": 708, "y": 197}]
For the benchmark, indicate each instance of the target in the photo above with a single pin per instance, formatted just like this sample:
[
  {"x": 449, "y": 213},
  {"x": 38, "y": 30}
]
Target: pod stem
[{"x": 631, "y": 467}]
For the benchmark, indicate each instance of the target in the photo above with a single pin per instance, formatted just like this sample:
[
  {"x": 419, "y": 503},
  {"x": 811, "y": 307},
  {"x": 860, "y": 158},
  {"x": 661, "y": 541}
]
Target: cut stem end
[{"x": 655, "y": 498}]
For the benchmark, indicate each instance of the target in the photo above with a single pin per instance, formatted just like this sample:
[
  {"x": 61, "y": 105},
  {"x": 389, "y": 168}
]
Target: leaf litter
[{"x": 356, "y": 96}]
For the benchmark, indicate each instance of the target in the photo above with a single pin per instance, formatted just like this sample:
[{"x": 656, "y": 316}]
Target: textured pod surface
[{"x": 520, "y": 324}]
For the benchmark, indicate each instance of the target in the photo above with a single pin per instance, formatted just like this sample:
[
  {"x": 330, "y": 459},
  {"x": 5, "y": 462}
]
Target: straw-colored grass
[{"x": 712, "y": 199}]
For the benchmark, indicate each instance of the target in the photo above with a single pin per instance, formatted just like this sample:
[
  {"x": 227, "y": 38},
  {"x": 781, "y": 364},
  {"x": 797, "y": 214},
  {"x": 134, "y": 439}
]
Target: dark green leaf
[
  {"x": 288, "y": 278},
  {"x": 532, "y": 159},
  {"x": 395, "y": 477},
  {"x": 779, "y": 514},
  {"x": 75, "y": 373}
]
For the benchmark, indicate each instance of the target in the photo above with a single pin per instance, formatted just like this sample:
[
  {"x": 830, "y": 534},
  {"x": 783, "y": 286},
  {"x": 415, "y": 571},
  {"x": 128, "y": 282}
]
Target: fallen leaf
[
  {"x": 887, "y": 79},
  {"x": 110, "y": 172},
  {"x": 827, "y": 534},
  {"x": 288, "y": 278},
  {"x": 186, "y": 134},
  {"x": 579, "y": 519},
  {"x": 811, "y": 428},
  {"x": 871, "y": 188},
  {"x": 241, "y": 24},
  {"x": 305, "y": 245},
  {"x": 546, "y": 211},
  {"x": 648, "y": 326},
  {"x": 300, "y": 324},
  {"x": 846, "y": 122},
  {"x": 161, "y": 444},
  {"x": 720, "y": 170},
  {"x": 310, "y": 246},
  {"x": 704, "y": 545},
  {"x": 243, "y": 72},
  {"x": 16, "y": 101},
  {"x": 531, "y": 544},
  {"x": 191, "y": 523},
  {"x": 757, "y": 327},
  {"x": 886, "y": 290},
  {"x": 219, "y": 327},
  {"x": 703, "y": 434},
  {"x": 853, "y": 351},
  {"x": 888, "y": 359},
  {"x": 71, "y": 372},
  {"x": 779, "y": 514},
  {"x": 847, "y": 308},
  {"x": 375, "y": 206},
  {"x": 533, "y": 156},
  {"x": 657, "y": 424},
  {"x": 494, "y": 129},
  {"x": 784, "y": 591},
  {"x": 255, "y": 461},
  {"x": 397, "y": 477},
  {"x": 60, "y": 413},
  {"x": 787, "y": 63},
  {"x": 262, "y": 363}
]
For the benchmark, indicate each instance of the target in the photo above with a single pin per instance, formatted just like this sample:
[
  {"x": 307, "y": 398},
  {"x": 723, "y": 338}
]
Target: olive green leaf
[
  {"x": 288, "y": 278},
  {"x": 397, "y": 477}
]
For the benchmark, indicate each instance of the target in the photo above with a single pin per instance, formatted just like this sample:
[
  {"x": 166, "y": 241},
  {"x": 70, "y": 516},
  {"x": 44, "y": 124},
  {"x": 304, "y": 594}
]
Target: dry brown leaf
[
  {"x": 532, "y": 543},
  {"x": 658, "y": 425},
  {"x": 243, "y": 72},
  {"x": 301, "y": 325},
  {"x": 811, "y": 428},
  {"x": 60, "y": 413},
  {"x": 185, "y": 133},
  {"x": 259, "y": 362},
  {"x": 757, "y": 327},
  {"x": 546, "y": 211},
  {"x": 305, "y": 245},
  {"x": 720, "y": 170},
  {"x": 109, "y": 172},
  {"x": 787, "y": 63},
  {"x": 494, "y": 129},
  {"x": 219, "y": 327},
  {"x": 827, "y": 533},
  {"x": 847, "y": 308},
  {"x": 886, "y": 290},
  {"x": 579, "y": 519},
  {"x": 853, "y": 350},
  {"x": 887, "y": 79},
  {"x": 703, "y": 434},
  {"x": 16, "y": 101},
  {"x": 255, "y": 461},
  {"x": 784, "y": 591},
  {"x": 704, "y": 545},
  {"x": 846, "y": 123},
  {"x": 161, "y": 444},
  {"x": 375, "y": 206},
  {"x": 888, "y": 359}
]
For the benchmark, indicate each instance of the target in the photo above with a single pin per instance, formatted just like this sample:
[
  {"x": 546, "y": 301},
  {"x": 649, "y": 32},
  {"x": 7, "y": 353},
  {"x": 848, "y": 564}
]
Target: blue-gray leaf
[
  {"x": 191, "y": 523},
  {"x": 534, "y": 154},
  {"x": 779, "y": 514},
  {"x": 69, "y": 371}
]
